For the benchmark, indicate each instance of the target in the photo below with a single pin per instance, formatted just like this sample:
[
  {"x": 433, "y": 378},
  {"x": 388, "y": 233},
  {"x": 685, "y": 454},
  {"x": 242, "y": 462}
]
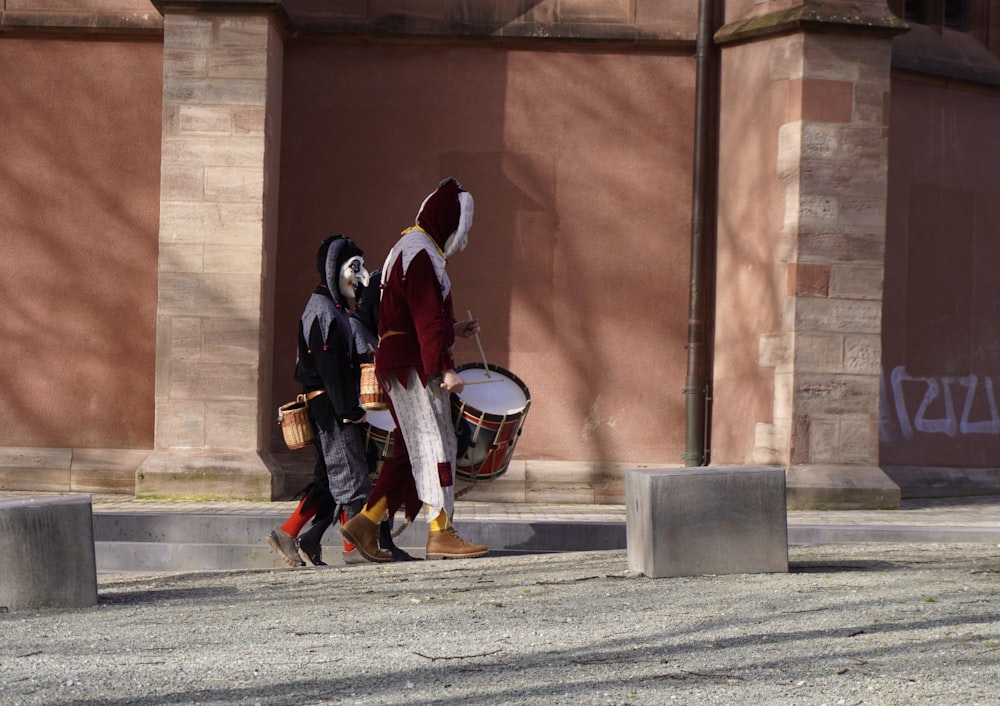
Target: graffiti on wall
[{"x": 941, "y": 404}]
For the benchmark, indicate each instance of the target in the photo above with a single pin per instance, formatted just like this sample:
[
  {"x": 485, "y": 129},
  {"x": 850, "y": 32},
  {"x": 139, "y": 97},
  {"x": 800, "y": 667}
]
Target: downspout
[{"x": 700, "y": 295}]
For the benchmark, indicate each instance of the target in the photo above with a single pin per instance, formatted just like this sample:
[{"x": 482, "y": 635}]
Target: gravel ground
[{"x": 851, "y": 624}]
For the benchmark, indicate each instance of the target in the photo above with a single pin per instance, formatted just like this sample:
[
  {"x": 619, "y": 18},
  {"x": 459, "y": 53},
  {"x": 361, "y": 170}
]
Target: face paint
[{"x": 352, "y": 276}]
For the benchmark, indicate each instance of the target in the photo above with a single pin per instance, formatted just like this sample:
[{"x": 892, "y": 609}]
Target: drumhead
[
  {"x": 382, "y": 419},
  {"x": 493, "y": 391}
]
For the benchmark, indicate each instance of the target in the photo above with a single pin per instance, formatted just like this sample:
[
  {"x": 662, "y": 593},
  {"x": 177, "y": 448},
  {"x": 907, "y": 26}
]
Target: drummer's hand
[
  {"x": 357, "y": 416},
  {"x": 467, "y": 328},
  {"x": 452, "y": 382}
]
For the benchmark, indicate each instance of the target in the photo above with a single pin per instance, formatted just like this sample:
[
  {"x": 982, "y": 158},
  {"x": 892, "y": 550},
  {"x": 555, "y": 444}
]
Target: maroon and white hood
[{"x": 445, "y": 217}]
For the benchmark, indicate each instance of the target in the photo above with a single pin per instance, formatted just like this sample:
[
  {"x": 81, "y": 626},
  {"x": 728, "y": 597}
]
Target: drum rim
[
  {"x": 374, "y": 432},
  {"x": 504, "y": 372},
  {"x": 500, "y": 419}
]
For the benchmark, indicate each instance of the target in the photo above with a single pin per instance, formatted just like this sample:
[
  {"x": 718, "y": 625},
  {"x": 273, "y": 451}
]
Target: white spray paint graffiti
[{"x": 950, "y": 423}]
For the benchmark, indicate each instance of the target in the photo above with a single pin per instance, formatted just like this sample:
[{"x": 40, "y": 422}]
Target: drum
[
  {"x": 494, "y": 404},
  {"x": 378, "y": 427}
]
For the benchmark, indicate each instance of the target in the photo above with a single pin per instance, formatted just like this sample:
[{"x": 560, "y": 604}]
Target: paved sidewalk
[
  {"x": 870, "y": 622},
  {"x": 964, "y": 512},
  {"x": 147, "y": 535},
  {"x": 878, "y": 624}
]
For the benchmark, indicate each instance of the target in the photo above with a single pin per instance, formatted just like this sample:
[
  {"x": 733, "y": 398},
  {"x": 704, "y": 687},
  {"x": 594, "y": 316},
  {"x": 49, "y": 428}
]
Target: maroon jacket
[{"x": 416, "y": 318}]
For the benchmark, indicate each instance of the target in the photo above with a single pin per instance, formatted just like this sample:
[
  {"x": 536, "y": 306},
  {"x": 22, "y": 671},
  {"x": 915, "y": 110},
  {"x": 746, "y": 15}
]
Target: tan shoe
[
  {"x": 363, "y": 534},
  {"x": 446, "y": 544}
]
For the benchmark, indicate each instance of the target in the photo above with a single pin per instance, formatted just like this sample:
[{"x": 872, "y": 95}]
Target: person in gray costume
[{"x": 328, "y": 367}]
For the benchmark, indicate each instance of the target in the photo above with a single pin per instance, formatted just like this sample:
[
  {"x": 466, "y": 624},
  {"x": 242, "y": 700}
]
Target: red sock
[
  {"x": 294, "y": 524},
  {"x": 348, "y": 547}
]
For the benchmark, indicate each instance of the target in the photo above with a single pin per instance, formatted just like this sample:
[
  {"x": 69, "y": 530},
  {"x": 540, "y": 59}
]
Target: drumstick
[
  {"x": 485, "y": 364},
  {"x": 480, "y": 382}
]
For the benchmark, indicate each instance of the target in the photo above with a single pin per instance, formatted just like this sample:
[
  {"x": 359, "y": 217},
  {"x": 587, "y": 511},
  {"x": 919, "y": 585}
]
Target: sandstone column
[
  {"x": 222, "y": 77},
  {"x": 802, "y": 196}
]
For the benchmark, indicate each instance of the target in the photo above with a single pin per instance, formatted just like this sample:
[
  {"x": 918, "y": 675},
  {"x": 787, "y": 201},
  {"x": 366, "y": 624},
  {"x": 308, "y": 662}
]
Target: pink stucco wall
[
  {"x": 577, "y": 266},
  {"x": 751, "y": 279},
  {"x": 79, "y": 190}
]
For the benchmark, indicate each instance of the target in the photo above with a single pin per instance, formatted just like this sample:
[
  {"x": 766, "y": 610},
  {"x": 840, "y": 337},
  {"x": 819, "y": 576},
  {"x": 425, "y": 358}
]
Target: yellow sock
[
  {"x": 441, "y": 522},
  {"x": 376, "y": 511}
]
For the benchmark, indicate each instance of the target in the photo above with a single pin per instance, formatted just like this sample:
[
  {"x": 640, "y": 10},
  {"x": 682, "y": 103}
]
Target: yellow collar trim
[{"x": 413, "y": 228}]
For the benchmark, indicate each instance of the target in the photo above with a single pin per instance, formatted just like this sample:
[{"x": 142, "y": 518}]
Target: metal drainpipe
[{"x": 696, "y": 391}]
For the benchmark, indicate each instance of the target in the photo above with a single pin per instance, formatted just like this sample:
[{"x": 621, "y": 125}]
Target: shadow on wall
[
  {"x": 579, "y": 162},
  {"x": 79, "y": 188},
  {"x": 486, "y": 17}
]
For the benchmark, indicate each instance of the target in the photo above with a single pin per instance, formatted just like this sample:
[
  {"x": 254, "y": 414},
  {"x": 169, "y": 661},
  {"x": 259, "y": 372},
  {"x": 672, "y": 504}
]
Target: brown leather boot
[
  {"x": 446, "y": 544},
  {"x": 363, "y": 533}
]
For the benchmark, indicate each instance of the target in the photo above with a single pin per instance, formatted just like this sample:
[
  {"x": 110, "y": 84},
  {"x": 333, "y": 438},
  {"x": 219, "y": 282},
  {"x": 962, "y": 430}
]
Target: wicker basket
[
  {"x": 296, "y": 425},
  {"x": 372, "y": 394}
]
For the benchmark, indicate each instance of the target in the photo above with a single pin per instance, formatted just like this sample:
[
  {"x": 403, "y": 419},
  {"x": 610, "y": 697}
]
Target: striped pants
[{"x": 346, "y": 466}]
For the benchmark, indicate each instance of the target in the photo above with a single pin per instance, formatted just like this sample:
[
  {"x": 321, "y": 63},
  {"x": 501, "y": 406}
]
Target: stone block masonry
[{"x": 221, "y": 112}]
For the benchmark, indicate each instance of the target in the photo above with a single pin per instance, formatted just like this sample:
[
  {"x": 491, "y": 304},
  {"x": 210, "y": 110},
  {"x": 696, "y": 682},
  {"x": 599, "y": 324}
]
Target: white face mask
[{"x": 352, "y": 276}]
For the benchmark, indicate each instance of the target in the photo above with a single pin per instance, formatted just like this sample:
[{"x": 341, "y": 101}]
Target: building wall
[
  {"x": 941, "y": 355},
  {"x": 79, "y": 187},
  {"x": 579, "y": 154},
  {"x": 753, "y": 249},
  {"x": 579, "y": 161}
]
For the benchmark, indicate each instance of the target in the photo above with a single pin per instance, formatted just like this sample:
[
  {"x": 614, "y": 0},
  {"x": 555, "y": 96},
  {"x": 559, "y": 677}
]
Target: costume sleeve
[
  {"x": 432, "y": 315},
  {"x": 337, "y": 371},
  {"x": 365, "y": 342}
]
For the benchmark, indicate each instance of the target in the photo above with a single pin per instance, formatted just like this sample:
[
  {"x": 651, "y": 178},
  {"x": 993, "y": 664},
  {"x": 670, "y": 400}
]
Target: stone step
[
  {"x": 176, "y": 541},
  {"x": 127, "y": 542}
]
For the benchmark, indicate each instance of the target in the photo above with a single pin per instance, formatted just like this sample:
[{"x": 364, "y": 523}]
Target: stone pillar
[
  {"x": 802, "y": 220},
  {"x": 222, "y": 77}
]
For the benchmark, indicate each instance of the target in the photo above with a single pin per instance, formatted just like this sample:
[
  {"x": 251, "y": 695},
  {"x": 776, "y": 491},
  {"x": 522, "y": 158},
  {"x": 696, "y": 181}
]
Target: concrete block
[
  {"x": 47, "y": 555},
  {"x": 706, "y": 520}
]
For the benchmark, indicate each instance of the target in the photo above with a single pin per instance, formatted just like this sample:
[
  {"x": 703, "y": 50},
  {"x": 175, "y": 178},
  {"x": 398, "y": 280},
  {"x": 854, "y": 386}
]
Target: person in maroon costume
[{"x": 417, "y": 329}]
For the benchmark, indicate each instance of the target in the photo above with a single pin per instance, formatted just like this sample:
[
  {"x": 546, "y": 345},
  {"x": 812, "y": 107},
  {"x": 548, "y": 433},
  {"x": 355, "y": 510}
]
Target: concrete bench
[
  {"x": 706, "y": 520},
  {"x": 47, "y": 553}
]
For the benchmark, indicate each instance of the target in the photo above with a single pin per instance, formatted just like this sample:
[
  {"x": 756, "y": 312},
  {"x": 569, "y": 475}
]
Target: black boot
[
  {"x": 311, "y": 548},
  {"x": 310, "y": 541},
  {"x": 385, "y": 541}
]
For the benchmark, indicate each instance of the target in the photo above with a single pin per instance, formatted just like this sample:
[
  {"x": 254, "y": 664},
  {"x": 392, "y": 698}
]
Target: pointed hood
[
  {"x": 333, "y": 253},
  {"x": 446, "y": 216}
]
